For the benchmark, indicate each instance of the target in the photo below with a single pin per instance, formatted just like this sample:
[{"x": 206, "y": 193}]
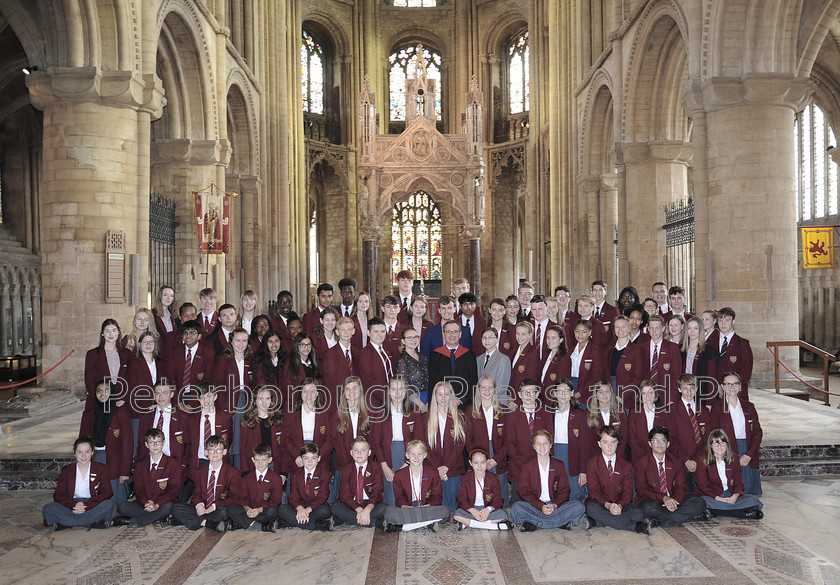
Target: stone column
[
  {"x": 250, "y": 238},
  {"x": 655, "y": 173},
  {"x": 473, "y": 235},
  {"x": 750, "y": 250},
  {"x": 371, "y": 237},
  {"x": 92, "y": 182}
]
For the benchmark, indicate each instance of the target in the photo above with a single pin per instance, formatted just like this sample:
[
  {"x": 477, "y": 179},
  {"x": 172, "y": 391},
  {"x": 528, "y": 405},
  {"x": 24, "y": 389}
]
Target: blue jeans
[
  {"x": 450, "y": 492},
  {"x": 745, "y": 503},
  {"x": 579, "y": 493},
  {"x": 522, "y": 511},
  {"x": 121, "y": 491}
]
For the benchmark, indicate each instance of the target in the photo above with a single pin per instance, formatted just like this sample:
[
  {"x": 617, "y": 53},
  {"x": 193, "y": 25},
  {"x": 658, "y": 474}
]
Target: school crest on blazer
[
  {"x": 179, "y": 436},
  {"x": 200, "y": 375},
  {"x": 266, "y": 496},
  {"x": 520, "y": 368},
  {"x": 500, "y": 428},
  {"x": 410, "y": 424},
  {"x": 553, "y": 376},
  {"x": 628, "y": 366},
  {"x": 576, "y": 432},
  {"x": 163, "y": 482},
  {"x": 116, "y": 432},
  {"x": 588, "y": 364},
  {"x": 452, "y": 433},
  {"x": 666, "y": 366},
  {"x": 224, "y": 495},
  {"x": 733, "y": 358},
  {"x": 607, "y": 327},
  {"x": 488, "y": 497},
  {"x": 323, "y": 429},
  {"x": 507, "y": 344},
  {"x": 279, "y": 438}
]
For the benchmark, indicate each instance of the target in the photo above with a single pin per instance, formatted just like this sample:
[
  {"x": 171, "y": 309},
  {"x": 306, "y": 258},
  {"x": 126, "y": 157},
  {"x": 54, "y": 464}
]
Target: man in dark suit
[
  {"x": 433, "y": 338},
  {"x": 453, "y": 360}
]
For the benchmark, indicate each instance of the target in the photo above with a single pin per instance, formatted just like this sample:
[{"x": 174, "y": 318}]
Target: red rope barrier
[
  {"x": 39, "y": 375},
  {"x": 800, "y": 379}
]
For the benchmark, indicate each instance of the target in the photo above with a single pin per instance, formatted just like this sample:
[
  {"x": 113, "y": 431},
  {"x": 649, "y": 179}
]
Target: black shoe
[
  {"x": 121, "y": 521},
  {"x": 173, "y": 521},
  {"x": 508, "y": 525},
  {"x": 57, "y": 527},
  {"x": 643, "y": 527},
  {"x": 706, "y": 516},
  {"x": 101, "y": 524},
  {"x": 567, "y": 526},
  {"x": 324, "y": 525},
  {"x": 754, "y": 515},
  {"x": 654, "y": 522},
  {"x": 379, "y": 523},
  {"x": 527, "y": 527},
  {"x": 433, "y": 527},
  {"x": 393, "y": 527},
  {"x": 268, "y": 527},
  {"x": 586, "y": 522},
  {"x": 461, "y": 526}
]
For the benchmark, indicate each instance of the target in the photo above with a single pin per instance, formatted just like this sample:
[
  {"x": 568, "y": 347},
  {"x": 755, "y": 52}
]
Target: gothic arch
[
  {"x": 242, "y": 128},
  {"x": 434, "y": 186},
  {"x": 827, "y": 94},
  {"x": 325, "y": 24},
  {"x": 656, "y": 76},
  {"x": 597, "y": 127},
  {"x": 821, "y": 26},
  {"x": 184, "y": 64}
]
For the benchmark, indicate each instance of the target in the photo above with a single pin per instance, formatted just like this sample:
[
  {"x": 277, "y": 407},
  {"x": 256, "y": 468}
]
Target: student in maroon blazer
[
  {"x": 279, "y": 322},
  {"x": 307, "y": 403},
  {"x": 371, "y": 366},
  {"x": 610, "y": 501},
  {"x": 468, "y": 314},
  {"x": 397, "y": 414},
  {"x": 587, "y": 362},
  {"x": 175, "y": 425},
  {"x": 689, "y": 444},
  {"x": 603, "y": 311},
  {"x": 480, "y": 497},
  {"x": 221, "y": 424},
  {"x": 557, "y": 364},
  {"x": 261, "y": 494},
  {"x": 393, "y": 327},
  {"x": 208, "y": 317},
  {"x": 525, "y": 360},
  {"x": 263, "y": 423},
  {"x": 737, "y": 356},
  {"x": 361, "y": 315},
  {"x": 226, "y": 375},
  {"x": 447, "y": 454},
  {"x": 574, "y": 442},
  {"x": 532, "y": 512},
  {"x": 518, "y": 430},
  {"x": 485, "y": 427},
  {"x": 668, "y": 366},
  {"x": 747, "y": 438},
  {"x": 157, "y": 483},
  {"x": 724, "y": 500},
  {"x": 644, "y": 416},
  {"x": 418, "y": 494},
  {"x": 270, "y": 363},
  {"x": 202, "y": 358},
  {"x": 624, "y": 363},
  {"x": 335, "y": 366},
  {"x": 324, "y": 296},
  {"x": 89, "y": 505},
  {"x": 325, "y": 333},
  {"x": 604, "y": 409},
  {"x": 111, "y": 432},
  {"x": 360, "y": 502},
  {"x": 310, "y": 488},
  {"x": 660, "y": 485},
  {"x": 209, "y": 502},
  {"x": 97, "y": 368},
  {"x": 145, "y": 370}
]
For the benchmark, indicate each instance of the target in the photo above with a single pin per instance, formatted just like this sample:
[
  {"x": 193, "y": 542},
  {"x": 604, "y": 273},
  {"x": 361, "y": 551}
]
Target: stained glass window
[
  {"x": 416, "y": 238},
  {"x": 312, "y": 74},
  {"x": 816, "y": 173},
  {"x": 519, "y": 75},
  {"x": 415, "y": 3},
  {"x": 402, "y": 68}
]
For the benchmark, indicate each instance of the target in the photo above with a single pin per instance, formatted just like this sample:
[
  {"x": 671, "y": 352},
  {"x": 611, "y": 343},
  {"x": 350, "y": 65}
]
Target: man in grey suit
[{"x": 494, "y": 363}]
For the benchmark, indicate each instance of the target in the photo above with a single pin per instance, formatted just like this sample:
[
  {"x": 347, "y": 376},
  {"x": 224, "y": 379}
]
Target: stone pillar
[
  {"x": 92, "y": 182},
  {"x": 750, "y": 250},
  {"x": 473, "y": 235},
  {"x": 655, "y": 173},
  {"x": 371, "y": 236},
  {"x": 249, "y": 194}
]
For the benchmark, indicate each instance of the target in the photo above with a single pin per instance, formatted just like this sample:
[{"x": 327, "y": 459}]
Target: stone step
[
  {"x": 42, "y": 480},
  {"x": 809, "y": 452},
  {"x": 799, "y": 467},
  {"x": 798, "y": 393}
]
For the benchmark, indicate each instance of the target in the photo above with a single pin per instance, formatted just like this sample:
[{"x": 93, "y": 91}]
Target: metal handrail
[{"x": 827, "y": 357}]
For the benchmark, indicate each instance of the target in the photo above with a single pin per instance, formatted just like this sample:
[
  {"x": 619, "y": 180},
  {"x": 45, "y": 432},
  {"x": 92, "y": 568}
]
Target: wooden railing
[{"x": 827, "y": 358}]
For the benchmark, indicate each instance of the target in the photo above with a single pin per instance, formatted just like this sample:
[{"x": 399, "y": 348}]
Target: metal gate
[
  {"x": 679, "y": 247},
  {"x": 162, "y": 226}
]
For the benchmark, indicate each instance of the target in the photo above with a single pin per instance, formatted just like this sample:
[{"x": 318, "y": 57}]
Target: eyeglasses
[
  {"x": 659, "y": 441},
  {"x": 148, "y": 341},
  {"x": 215, "y": 451},
  {"x": 530, "y": 392},
  {"x": 189, "y": 333},
  {"x": 719, "y": 443},
  {"x": 154, "y": 443},
  {"x": 305, "y": 344},
  {"x": 731, "y": 384}
]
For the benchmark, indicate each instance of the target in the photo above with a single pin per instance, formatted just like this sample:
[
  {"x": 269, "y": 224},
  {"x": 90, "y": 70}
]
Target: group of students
[{"x": 224, "y": 427}]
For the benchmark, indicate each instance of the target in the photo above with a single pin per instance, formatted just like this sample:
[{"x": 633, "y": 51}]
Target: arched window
[
  {"x": 314, "y": 259},
  {"x": 416, "y": 238},
  {"x": 816, "y": 172},
  {"x": 312, "y": 74},
  {"x": 402, "y": 68},
  {"x": 415, "y": 3},
  {"x": 519, "y": 75}
]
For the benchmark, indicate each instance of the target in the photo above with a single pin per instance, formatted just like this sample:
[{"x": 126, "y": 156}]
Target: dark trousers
[
  {"x": 624, "y": 521},
  {"x": 690, "y": 509},
  {"x": 140, "y": 517},
  {"x": 186, "y": 515},
  {"x": 343, "y": 514},
  {"x": 240, "y": 516},
  {"x": 289, "y": 516}
]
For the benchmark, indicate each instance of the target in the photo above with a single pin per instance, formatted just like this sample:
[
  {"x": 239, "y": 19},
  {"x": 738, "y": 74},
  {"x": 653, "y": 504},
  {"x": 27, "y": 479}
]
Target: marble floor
[{"x": 797, "y": 542}]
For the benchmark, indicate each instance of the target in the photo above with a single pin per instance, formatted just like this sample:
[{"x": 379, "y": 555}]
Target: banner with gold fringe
[{"x": 212, "y": 218}]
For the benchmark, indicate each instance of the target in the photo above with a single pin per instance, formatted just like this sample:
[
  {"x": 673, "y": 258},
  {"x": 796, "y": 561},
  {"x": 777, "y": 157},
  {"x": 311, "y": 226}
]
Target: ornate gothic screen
[
  {"x": 401, "y": 64},
  {"x": 416, "y": 238},
  {"x": 816, "y": 172},
  {"x": 519, "y": 75},
  {"x": 312, "y": 74},
  {"x": 413, "y": 3}
]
